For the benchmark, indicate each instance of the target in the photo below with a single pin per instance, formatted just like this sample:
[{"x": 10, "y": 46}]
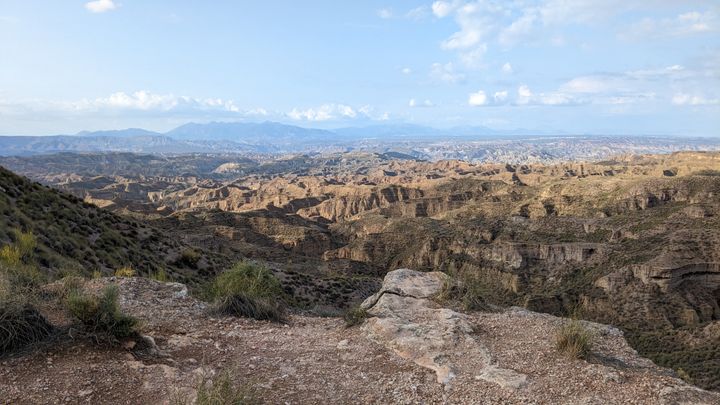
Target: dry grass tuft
[{"x": 573, "y": 340}]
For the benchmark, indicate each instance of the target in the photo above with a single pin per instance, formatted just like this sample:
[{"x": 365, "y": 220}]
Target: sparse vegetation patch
[
  {"x": 573, "y": 340},
  {"x": 101, "y": 316},
  {"x": 250, "y": 290}
]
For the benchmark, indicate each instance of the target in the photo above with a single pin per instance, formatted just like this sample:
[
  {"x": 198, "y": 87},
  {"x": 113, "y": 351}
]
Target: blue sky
[{"x": 581, "y": 66}]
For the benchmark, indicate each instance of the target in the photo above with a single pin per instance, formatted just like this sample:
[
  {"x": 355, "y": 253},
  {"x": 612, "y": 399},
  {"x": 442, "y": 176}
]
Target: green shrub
[
  {"x": 101, "y": 316},
  {"x": 23, "y": 278},
  {"x": 250, "y": 290},
  {"x": 21, "y": 250},
  {"x": 573, "y": 340},
  {"x": 220, "y": 391},
  {"x": 26, "y": 242},
  {"x": 125, "y": 271},
  {"x": 21, "y": 325},
  {"x": 10, "y": 255},
  {"x": 354, "y": 316},
  {"x": 189, "y": 257},
  {"x": 260, "y": 308},
  {"x": 249, "y": 278}
]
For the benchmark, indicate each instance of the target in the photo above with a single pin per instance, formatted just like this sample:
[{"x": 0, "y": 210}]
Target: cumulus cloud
[
  {"x": 481, "y": 98},
  {"x": 484, "y": 24},
  {"x": 443, "y": 8},
  {"x": 507, "y": 68},
  {"x": 477, "y": 99},
  {"x": 139, "y": 103},
  {"x": 446, "y": 73},
  {"x": 335, "y": 112},
  {"x": 526, "y": 97},
  {"x": 500, "y": 96},
  {"x": 100, "y": 6}
]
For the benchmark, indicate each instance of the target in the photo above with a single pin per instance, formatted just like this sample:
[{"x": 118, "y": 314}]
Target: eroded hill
[{"x": 631, "y": 241}]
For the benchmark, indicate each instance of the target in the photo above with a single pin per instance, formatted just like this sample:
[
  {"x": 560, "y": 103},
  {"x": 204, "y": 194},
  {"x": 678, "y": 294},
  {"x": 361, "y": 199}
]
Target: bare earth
[{"x": 318, "y": 360}]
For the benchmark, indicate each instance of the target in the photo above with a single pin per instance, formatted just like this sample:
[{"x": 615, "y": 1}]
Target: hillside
[{"x": 74, "y": 236}]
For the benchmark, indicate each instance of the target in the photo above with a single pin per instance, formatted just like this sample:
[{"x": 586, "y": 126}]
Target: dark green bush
[
  {"x": 101, "y": 316},
  {"x": 249, "y": 290}
]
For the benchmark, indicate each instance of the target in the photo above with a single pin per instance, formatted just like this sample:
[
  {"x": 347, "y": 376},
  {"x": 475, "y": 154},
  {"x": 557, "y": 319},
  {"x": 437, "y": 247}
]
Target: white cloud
[
  {"x": 524, "y": 94},
  {"x": 101, "y": 6},
  {"x": 507, "y": 68},
  {"x": 587, "y": 84},
  {"x": 518, "y": 30},
  {"x": 443, "y": 8},
  {"x": 335, "y": 112},
  {"x": 142, "y": 103},
  {"x": 690, "y": 23},
  {"x": 500, "y": 96},
  {"x": 693, "y": 99},
  {"x": 385, "y": 13},
  {"x": 481, "y": 98},
  {"x": 477, "y": 99},
  {"x": 446, "y": 73},
  {"x": 418, "y": 13},
  {"x": 473, "y": 59},
  {"x": 526, "y": 97},
  {"x": 415, "y": 103},
  {"x": 406, "y": 70}
]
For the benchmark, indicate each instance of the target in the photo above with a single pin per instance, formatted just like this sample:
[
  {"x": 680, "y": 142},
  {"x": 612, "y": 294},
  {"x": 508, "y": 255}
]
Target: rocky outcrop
[
  {"x": 708, "y": 274},
  {"x": 517, "y": 255},
  {"x": 408, "y": 321}
]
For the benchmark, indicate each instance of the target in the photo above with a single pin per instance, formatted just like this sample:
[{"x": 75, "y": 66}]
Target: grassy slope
[{"x": 79, "y": 237}]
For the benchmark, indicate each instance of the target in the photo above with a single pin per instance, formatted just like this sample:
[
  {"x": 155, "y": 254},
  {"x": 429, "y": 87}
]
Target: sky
[{"x": 576, "y": 66}]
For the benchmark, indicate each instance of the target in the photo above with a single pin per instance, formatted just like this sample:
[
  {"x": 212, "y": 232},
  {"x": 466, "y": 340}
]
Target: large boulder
[{"x": 405, "y": 319}]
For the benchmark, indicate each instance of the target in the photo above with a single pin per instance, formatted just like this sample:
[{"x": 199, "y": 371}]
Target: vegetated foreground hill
[
  {"x": 631, "y": 241},
  {"x": 77, "y": 237}
]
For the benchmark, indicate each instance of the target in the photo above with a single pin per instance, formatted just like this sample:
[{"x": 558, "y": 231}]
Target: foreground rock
[
  {"x": 318, "y": 361},
  {"x": 408, "y": 321}
]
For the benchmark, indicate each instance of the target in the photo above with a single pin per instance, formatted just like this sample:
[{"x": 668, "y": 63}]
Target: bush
[
  {"x": 161, "y": 276},
  {"x": 468, "y": 291},
  {"x": 20, "y": 251},
  {"x": 249, "y": 290},
  {"x": 355, "y": 316},
  {"x": 20, "y": 326},
  {"x": 259, "y": 308},
  {"x": 573, "y": 340},
  {"x": 101, "y": 316},
  {"x": 125, "y": 271},
  {"x": 22, "y": 278},
  {"x": 221, "y": 391},
  {"x": 189, "y": 257},
  {"x": 10, "y": 255},
  {"x": 26, "y": 242}
]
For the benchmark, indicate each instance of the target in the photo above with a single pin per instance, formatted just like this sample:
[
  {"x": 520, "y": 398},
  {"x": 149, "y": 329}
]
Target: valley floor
[{"x": 319, "y": 361}]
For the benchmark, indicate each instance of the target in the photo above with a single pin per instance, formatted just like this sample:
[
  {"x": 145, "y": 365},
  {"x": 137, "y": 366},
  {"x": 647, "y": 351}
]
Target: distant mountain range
[{"x": 241, "y": 137}]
